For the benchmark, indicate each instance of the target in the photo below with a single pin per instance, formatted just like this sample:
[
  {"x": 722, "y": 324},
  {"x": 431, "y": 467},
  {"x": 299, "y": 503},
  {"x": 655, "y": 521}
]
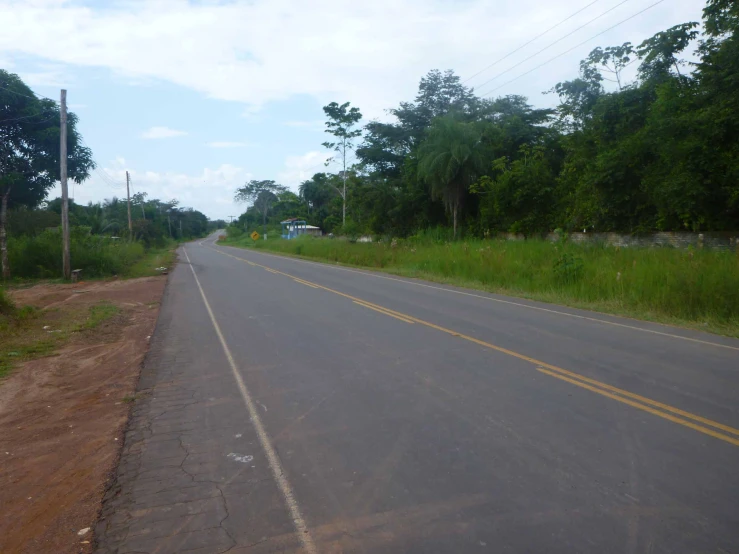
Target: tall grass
[
  {"x": 697, "y": 286},
  {"x": 41, "y": 256},
  {"x": 6, "y": 305}
]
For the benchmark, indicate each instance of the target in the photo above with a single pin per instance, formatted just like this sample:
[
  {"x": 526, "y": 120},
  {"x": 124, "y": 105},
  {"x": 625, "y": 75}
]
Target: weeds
[
  {"x": 147, "y": 265},
  {"x": 99, "y": 313},
  {"x": 40, "y": 256},
  {"x": 29, "y": 333},
  {"x": 569, "y": 268}
]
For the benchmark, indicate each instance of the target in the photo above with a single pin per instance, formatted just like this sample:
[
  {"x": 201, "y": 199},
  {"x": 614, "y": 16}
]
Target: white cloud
[
  {"x": 370, "y": 53},
  {"x": 161, "y": 132},
  {"x": 49, "y": 78},
  {"x": 299, "y": 168},
  {"x": 310, "y": 124},
  {"x": 209, "y": 191},
  {"x": 227, "y": 144}
]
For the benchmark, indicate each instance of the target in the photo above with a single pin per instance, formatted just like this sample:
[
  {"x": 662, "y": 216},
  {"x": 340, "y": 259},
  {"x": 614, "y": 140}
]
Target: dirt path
[{"x": 62, "y": 416}]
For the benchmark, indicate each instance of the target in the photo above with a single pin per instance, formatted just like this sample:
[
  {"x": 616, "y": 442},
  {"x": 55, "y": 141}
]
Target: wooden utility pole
[
  {"x": 66, "y": 263},
  {"x": 128, "y": 197}
]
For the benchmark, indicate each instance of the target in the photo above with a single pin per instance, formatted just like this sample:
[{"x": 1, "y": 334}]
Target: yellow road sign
[{"x": 254, "y": 235}]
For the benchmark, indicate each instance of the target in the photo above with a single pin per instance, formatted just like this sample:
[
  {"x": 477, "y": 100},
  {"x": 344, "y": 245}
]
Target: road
[{"x": 290, "y": 406}]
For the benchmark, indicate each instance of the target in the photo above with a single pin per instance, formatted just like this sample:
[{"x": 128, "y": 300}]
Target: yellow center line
[
  {"x": 640, "y": 402},
  {"x": 669, "y": 417},
  {"x": 383, "y": 312},
  {"x": 304, "y": 283}
]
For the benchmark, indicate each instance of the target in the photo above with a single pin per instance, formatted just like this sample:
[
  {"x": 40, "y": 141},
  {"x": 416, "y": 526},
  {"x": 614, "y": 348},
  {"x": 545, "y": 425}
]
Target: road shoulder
[{"x": 62, "y": 416}]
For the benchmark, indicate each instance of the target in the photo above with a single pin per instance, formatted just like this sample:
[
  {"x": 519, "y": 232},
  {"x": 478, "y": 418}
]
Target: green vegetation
[
  {"x": 30, "y": 152},
  {"x": 99, "y": 239},
  {"x": 698, "y": 288},
  {"x": 154, "y": 258},
  {"x": 40, "y": 256},
  {"x": 653, "y": 148},
  {"x": 101, "y": 242},
  {"x": 99, "y": 314},
  {"x": 6, "y": 306},
  {"x": 657, "y": 150},
  {"x": 28, "y": 333}
]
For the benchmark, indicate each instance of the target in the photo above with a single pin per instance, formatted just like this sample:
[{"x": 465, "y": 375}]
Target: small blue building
[{"x": 294, "y": 227}]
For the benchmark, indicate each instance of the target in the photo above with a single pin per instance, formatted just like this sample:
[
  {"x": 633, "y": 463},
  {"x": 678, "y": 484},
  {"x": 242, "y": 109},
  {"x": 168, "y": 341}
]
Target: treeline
[
  {"x": 101, "y": 243},
  {"x": 658, "y": 153},
  {"x": 153, "y": 221},
  {"x": 100, "y": 240}
]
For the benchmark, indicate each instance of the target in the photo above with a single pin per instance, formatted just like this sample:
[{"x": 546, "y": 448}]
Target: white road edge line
[
  {"x": 274, "y": 461},
  {"x": 371, "y": 274}
]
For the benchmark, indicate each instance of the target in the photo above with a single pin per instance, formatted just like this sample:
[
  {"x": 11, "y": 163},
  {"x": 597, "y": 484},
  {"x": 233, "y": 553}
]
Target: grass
[
  {"x": 23, "y": 335},
  {"x": 40, "y": 256},
  {"x": 692, "y": 288},
  {"x": 100, "y": 313},
  {"x": 6, "y": 306},
  {"x": 153, "y": 259}
]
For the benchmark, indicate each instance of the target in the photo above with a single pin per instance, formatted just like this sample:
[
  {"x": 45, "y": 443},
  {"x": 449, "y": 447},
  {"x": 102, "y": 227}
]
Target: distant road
[{"x": 290, "y": 406}]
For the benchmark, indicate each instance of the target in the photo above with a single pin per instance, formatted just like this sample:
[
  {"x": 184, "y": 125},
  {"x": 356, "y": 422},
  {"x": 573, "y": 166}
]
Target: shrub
[
  {"x": 568, "y": 268},
  {"x": 40, "y": 256},
  {"x": 6, "y": 305}
]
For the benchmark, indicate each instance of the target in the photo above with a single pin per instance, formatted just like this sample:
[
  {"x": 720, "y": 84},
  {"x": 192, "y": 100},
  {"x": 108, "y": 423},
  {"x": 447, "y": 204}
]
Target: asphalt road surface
[{"x": 289, "y": 406}]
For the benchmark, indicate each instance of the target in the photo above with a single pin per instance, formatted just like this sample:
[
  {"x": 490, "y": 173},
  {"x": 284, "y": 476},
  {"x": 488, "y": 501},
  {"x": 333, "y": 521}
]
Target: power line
[
  {"x": 53, "y": 116},
  {"x": 553, "y": 43},
  {"x": 496, "y": 62},
  {"x": 574, "y": 47},
  {"x": 108, "y": 180},
  {"x": 35, "y": 97},
  {"x": 104, "y": 175}
]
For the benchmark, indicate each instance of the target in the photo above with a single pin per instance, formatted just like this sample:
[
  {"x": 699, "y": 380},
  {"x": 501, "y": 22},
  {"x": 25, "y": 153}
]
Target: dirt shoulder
[{"x": 62, "y": 416}]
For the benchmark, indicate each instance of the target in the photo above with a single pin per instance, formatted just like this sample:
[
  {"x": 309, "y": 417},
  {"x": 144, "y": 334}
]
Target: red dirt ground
[{"x": 60, "y": 416}]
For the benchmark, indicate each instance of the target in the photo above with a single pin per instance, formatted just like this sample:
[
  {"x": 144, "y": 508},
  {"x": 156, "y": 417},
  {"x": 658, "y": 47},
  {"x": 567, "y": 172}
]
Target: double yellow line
[{"x": 665, "y": 411}]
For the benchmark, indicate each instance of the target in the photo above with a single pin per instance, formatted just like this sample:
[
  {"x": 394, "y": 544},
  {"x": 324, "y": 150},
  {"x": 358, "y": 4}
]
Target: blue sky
[{"x": 194, "y": 98}]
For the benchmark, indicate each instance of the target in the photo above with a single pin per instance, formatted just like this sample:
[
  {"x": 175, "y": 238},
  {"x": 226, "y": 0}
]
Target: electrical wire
[
  {"x": 573, "y": 48},
  {"x": 53, "y": 116},
  {"x": 108, "y": 180},
  {"x": 553, "y": 43},
  {"x": 509, "y": 54},
  {"x": 35, "y": 97},
  {"x": 104, "y": 175}
]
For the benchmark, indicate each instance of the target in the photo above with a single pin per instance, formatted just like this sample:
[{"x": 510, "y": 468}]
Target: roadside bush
[
  {"x": 40, "y": 256},
  {"x": 6, "y": 305},
  {"x": 568, "y": 268}
]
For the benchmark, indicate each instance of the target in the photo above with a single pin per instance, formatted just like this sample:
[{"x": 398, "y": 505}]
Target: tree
[
  {"x": 438, "y": 94},
  {"x": 317, "y": 191},
  {"x": 341, "y": 122},
  {"x": 261, "y": 194},
  {"x": 613, "y": 60},
  {"x": 449, "y": 160},
  {"x": 659, "y": 53},
  {"x": 29, "y": 151},
  {"x": 519, "y": 197}
]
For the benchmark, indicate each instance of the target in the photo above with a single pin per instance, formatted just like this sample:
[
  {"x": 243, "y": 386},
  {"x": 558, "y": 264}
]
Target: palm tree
[{"x": 449, "y": 160}]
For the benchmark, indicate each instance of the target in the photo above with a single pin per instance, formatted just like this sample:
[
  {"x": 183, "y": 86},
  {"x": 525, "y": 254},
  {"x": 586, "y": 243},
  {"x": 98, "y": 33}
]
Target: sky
[{"x": 194, "y": 98}]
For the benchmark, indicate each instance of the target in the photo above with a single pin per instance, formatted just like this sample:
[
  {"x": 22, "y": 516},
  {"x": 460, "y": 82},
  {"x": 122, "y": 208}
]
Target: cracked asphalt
[{"x": 412, "y": 417}]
